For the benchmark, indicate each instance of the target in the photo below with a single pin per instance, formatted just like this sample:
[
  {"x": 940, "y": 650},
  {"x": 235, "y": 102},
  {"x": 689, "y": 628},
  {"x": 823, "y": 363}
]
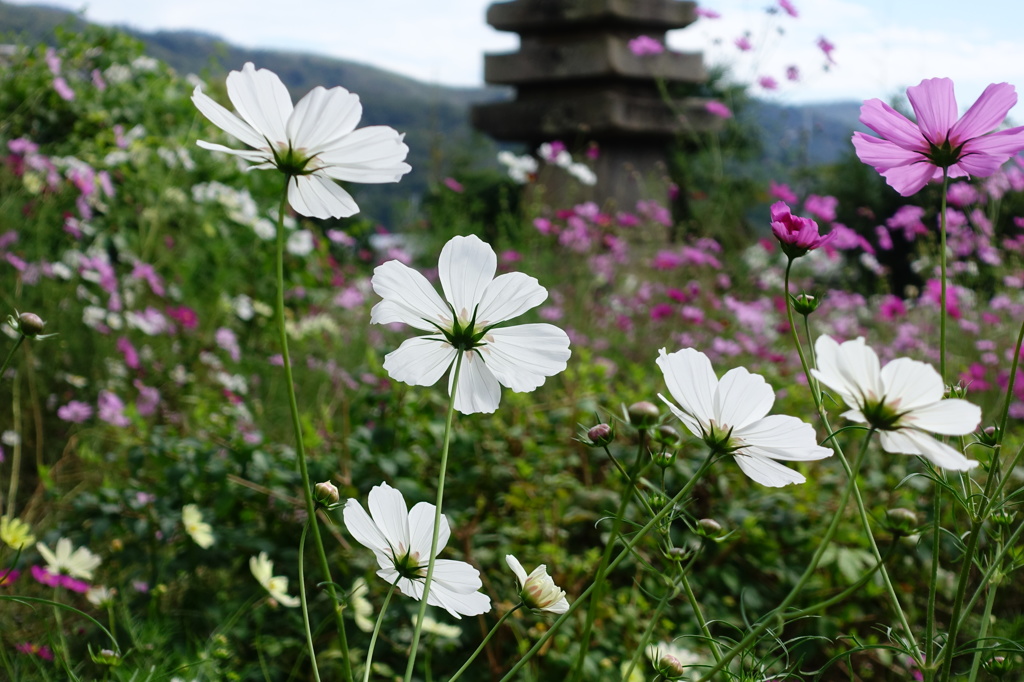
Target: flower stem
[
  {"x": 983, "y": 632},
  {"x": 942, "y": 274},
  {"x": 376, "y": 631},
  {"x": 695, "y": 605},
  {"x": 627, "y": 495},
  {"x": 302, "y": 599},
  {"x": 10, "y": 354},
  {"x": 300, "y": 449},
  {"x": 646, "y": 638},
  {"x": 626, "y": 551},
  {"x": 483, "y": 644},
  {"x": 437, "y": 518}
]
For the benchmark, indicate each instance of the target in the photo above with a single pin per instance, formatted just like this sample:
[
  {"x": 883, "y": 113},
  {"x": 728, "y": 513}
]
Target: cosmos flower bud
[
  {"x": 998, "y": 666},
  {"x": 643, "y": 414},
  {"x": 326, "y": 493},
  {"x": 709, "y": 528},
  {"x": 990, "y": 436},
  {"x": 30, "y": 324},
  {"x": 805, "y": 304},
  {"x": 669, "y": 667},
  {"x": 106, "y": 657},
  {"x": 538, "y": 591},
  {"x": 601, "y": 435},
  {"x": 667, "y": 436},
  {"x": 900, "y": 521}
]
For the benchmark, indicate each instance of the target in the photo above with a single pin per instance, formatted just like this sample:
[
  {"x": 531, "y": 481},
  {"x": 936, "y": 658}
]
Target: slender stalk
[
  {"x": 627, "y": 495},
  {"x": 302, "y": 599},
  {"x": 437, "y": 517},
  {"x": 985, "y": 617},
  {"x": 987, "y": 577},
  {"x": 933, "y": 582},
  {"x": 10, "y": 354},
  {"x": 942, "y": 274},
  {"x": 479, "y": 649},
  {"x": 300, "y": 448},
  {"x": 12, "y": 489},
  {"x": 652, "y": 622},
  {"x": 695, "y": 605},
  {"x": 835, "y": 599},
  {"x": 376, "y": 631},
  {"x": 766, "y": 621},
  {"x": 626, "y": 551}
]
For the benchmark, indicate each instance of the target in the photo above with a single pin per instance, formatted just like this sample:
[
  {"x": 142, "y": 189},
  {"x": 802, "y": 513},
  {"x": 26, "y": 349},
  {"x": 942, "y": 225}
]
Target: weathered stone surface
[{"x": 556, "y": 15}]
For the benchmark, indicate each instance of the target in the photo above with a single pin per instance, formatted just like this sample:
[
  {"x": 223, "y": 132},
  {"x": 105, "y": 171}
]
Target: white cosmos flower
[
  {"x": 903, "y": 400},
  {"x": 314, "y": 143},
  {"x": 537, "y": 590},
  {"x": 731, "y": 416},
  {"x": 197, "y": 529},
  {"x": 401, "y": 539},
  {"x": 520, "y": 357},
  {"x": 79, "y": 563},
  {"x": 277, "y": 585}
]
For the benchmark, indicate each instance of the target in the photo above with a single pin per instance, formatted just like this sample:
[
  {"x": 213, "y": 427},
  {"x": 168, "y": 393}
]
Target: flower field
[{"x": 250, "y": 434}]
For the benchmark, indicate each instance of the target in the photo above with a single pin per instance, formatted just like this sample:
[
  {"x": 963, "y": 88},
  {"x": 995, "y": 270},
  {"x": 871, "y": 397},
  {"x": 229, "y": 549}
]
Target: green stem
[
  {"x": 796, "y": 337},
  {"x": 606, "y": 556},
  {"x": 933, "y": 583},
  {"x": 985, "y": 617},
  {"x": 483, "y": 644},
  {"x": 376, "y": 631},
  {"x": 942, "y": 274},
  {"x": 766, "y": 621},
  {"x": 835, "y": 599},
  {"x": 303, "y": 601},
  {"x": 437, "y": 517},
  {"x": 10, "y": 354},
  {"x": 300, "y": 449},
  {"x": 695, "y": 605},
  {"x": 626, "y": 551},
  {"x": 652, "y": 622},
  {"x": 987, "y": 578}
]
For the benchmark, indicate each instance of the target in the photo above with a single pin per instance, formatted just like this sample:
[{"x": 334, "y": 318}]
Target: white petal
[
  {"x": 850, "y": 369},
  {"x": 317, "y": 196},
  {"x": 782, "y": 437},
  {"x": 370, "y": 155},
  {"x": 452, "y": 590},
  {"x": 559, "y": 607},
  {"x": 479, "y": 390},
  {"x": 767, "y": 472},
  {"x": 457, "y": 576},
  {"x": 420, "y": 361},
  {"x": 387, "y": 507},
  {"x": 910, "y": 384},
  {"x": 517, "y": 568},
  {"x": 322, "y": 117},
  {"x": 691, "y": 424},
  {"x": 742, "y": 398},
  {"x": 247, "y": 154},
  {"x": 466, "y": 267},
  {"x": 421, "y": 530},
  {"x": 692, "y": 382},
  {"x": 48, "y": 556},
  {"x": 262, "y": 100},
  {"x": 508, "y": 296},
  {"x": 913, "y": 442},
  {"x": 410, "y": 298},
  {"x": 362, "y": 528},
  {"x": 226, "y": 121},
  {"x": 951, "y": 417},
  {"x": 523, "y": 356}
]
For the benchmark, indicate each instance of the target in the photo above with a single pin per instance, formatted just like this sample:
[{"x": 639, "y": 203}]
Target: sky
[{"x": 881, "y": 46}]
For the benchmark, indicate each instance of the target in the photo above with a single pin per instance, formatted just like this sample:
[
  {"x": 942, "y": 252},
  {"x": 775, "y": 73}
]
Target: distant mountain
[{"x": 433, "y": 117}]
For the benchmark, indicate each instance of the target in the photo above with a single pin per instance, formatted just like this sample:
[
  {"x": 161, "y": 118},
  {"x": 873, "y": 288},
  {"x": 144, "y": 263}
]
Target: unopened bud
[
  {"x": 900, "y": 521},
  {"x": 709, "y": 528},
  {"x": 30, "y": 324},
  {"x": 805, "y": 304},
  {"x": 664, "y": 458},
  {"x": 998, "y": 666},
  {"x": 670, "y": 667},
  {"x": 657, "y": 501},
  {"x": 667, "y": 436},
  {"x": 1002, "y": 517},
  {"x": 326, "y": 493},
  {"x": 601, "y": 435},
  {"x": 990, "y": 436},
  {"x": 643, "y": 415},
  {"x": 106, "y": 657}
]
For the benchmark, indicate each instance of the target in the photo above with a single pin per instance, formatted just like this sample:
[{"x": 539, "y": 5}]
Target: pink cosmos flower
[
  {"x": 111, "y": 409},
  {"x": 645, "y": 46},
  {"x": 744, "y": 44},
  {"x": 823, "y": 208},
  {"x": 454, "y": 185},
  {"x": 908, "y": 155},
  {"x": 768, "y": 83},
  {"x": 792, "y": 73},
  {"x": 718, "y": 109},
  {"x": 788, "y": 7},
  {"x": 75, "y": 411},
  {"x": 825, "y": 46},
  {"x": 782, "y": 191},
  {"x": 63, "y": 89},
  {"x": 796, "y": 235},
  {"x": 707, "y": 13}
]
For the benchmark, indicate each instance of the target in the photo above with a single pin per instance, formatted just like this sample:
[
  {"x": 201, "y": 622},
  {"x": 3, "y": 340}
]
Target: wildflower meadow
[{"x": 248, "y": 433}]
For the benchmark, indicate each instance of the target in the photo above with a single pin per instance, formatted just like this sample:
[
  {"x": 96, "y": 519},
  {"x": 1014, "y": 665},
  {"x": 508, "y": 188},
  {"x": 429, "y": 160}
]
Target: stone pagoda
[{"x": 578, "y": 81}]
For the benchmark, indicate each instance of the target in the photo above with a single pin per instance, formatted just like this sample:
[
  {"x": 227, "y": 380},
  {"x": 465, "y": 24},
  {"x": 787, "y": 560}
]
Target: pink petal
[
  {"x": 908, "y": 180},
  {"x": 882, "y": 153},
  {"x": 892, "y": 125},
  {"x": 983, "y": 156},
  {"x": 985, "y": 114},
  {"x": 935, "y": 105}
]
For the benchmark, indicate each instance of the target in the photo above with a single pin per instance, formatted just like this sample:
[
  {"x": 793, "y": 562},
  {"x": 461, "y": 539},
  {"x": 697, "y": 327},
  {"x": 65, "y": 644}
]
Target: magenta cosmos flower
[
  {"x": 796, "y": 235},
  {"x": 910, "y": 154}
]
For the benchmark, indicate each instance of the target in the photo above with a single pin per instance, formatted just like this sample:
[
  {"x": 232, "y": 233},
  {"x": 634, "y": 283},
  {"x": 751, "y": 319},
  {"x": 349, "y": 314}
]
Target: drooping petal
[
  {"x": 408, "y": 298},
  {"x": 226, "y": 121},
  {"x": 388, "y": 510},
  {"x": 508, "y": 296},
  {"x": 913, "y": 442},
  {"x": 782, "y": 437},
  {"x": 317, "y": 196},
  {"x": 420, "y": 361},
  {"x": 466, "y": 267},
  {"x": 370, "y": 155},
  {"x": 892, "y": 125},
  {"x": 262, "y": 100},
  {"x": 253, "y": 155},
  {"x": 457, "y": 576},
  {"x": 909, "y": 180},
  {"x": 691, "y": 424},
  {"x": 421, "y": 530},
  {"x": 479, "y": 390},
  {"x": 517, "y": 569},
  {"x": 983, "y": 156},
  {"x": 741, "y": 398},
  {"x": 951, "y": 417},
  {"x": 767, "y": 472},
  {"x": 935, "y": 106},
  {"x": 523, "y": 356},
  {"x": 323, "y": 116},
  {"x": 910, "y": 384},
  {"x": 458, "y": 604},
  {"x": 692, "y": 382},
  {"x": 985, "y": 115}
]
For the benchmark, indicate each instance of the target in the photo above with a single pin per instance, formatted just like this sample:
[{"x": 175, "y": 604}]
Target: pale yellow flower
[
  {"x": 200, "y": 531},
  {"x": 15, "y": 533},
  {"x": 277, "y": 585},
  {"x": 62, "y": 561}
]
